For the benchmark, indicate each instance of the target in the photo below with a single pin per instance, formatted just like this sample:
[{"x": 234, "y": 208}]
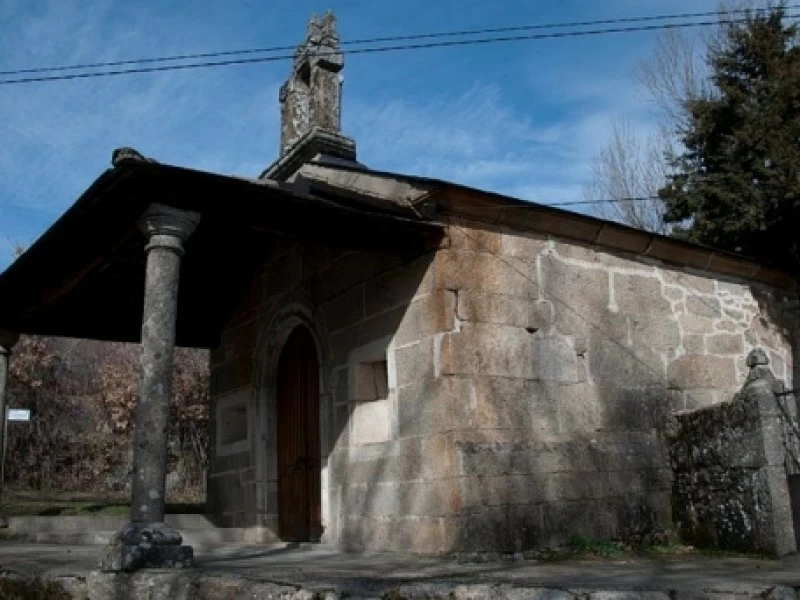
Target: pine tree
[{"x": 736, "y": 186}]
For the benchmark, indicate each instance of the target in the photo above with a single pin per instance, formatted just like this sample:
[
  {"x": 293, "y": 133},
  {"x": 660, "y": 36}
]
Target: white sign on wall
[{"x": 19, "y": 414}]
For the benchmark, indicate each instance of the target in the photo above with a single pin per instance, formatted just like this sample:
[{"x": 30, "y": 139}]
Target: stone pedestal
[
  {"x": 146, "y": 545},
  {"x": 147, "y": 541}
]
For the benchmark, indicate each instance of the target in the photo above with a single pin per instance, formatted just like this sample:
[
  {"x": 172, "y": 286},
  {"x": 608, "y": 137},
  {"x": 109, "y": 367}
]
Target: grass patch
[{"x": 583, "y": 547}]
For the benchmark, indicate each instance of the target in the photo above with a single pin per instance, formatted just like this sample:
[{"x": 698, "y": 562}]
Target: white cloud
[{"x": 479, "y": 139}]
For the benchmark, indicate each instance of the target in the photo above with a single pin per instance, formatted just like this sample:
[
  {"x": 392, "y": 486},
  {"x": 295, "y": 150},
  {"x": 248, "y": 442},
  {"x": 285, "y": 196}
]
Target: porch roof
[{"x": 84, "y": 277}]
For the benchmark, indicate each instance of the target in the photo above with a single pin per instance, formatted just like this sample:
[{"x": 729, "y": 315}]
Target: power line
[
  {"x": 604, "y": 201},
  {"x": 396, "y": 38},
  {"x": 395, "y": 48}
]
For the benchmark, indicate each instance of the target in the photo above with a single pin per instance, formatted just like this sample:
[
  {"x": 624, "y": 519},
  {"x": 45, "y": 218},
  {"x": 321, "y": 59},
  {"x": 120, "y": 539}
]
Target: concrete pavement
[{"x": 235, "y": 570}]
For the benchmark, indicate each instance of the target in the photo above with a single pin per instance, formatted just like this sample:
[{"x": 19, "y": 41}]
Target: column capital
[
  {"x": 7, "y": 341},
  {"x": 167, "y": 227}
]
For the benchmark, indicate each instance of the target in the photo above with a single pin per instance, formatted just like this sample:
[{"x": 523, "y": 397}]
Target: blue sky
[{"x": 520, "y": 118}]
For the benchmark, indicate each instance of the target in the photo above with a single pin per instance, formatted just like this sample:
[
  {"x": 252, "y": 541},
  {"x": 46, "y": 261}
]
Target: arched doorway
[{"x": 299, "y": 494}]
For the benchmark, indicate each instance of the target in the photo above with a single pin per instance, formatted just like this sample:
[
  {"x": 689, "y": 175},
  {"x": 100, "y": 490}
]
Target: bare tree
[
  {"x": 630, "y": 170},
  {"x": 635, "y": 166}
]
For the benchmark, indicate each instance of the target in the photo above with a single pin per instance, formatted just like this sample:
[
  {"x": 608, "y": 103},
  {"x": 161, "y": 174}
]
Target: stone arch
[{"x": 272, "y": 337}]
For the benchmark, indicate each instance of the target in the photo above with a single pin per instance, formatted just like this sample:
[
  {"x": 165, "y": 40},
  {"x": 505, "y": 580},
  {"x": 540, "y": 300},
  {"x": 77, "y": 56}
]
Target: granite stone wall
[
  {"x": 731, "y": 463},
  {"x": 549, "y": 399},
  {"x": 529, "y": 382}
]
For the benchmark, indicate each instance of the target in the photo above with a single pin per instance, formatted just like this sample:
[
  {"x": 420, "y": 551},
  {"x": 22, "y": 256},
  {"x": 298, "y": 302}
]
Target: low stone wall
[{"x": 731, "y": 464}]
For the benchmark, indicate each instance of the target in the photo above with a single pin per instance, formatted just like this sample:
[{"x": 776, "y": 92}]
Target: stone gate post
[{"x": 7, "y": 341}]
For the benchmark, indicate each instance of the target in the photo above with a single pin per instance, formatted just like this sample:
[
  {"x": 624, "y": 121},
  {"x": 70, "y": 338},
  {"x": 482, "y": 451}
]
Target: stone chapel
[{"x": 407, "y": 364}]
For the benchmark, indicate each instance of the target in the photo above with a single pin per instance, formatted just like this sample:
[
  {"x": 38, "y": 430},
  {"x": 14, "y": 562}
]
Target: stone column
[
  {"x": 147, "y": 541},
  {"x": 7, "y": 341}
]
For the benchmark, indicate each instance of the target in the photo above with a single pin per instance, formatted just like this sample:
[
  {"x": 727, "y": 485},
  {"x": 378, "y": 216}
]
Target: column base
[{"x": 146, "y": 546}]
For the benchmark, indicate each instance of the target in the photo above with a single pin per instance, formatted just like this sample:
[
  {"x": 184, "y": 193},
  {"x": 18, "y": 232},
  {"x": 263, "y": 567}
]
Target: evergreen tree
[{"x": 736, "y": 185}]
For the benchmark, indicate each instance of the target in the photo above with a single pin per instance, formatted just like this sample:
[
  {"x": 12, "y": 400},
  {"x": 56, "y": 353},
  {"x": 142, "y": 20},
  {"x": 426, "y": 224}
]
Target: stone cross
[
  {"x": 147, "y": 541},
  {"x": 311, "y": 97}
]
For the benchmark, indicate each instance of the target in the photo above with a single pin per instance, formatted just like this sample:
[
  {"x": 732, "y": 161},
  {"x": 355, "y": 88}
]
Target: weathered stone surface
[
  {"x": 579, "y": 298},
  {"x": 146, "y": 545},
  {"x": 372, "y": 422},
  {"x": 434, "y": 406},
  {"x": 464, "y": 235},
  {"x": 503, "y": 309},
  {"x": 400, "y": 285},
  {"x": 728, "y": 460},
  {"x": 525, "y": 246},
  {"x": 504, "y": 403},
  {"x": 701, "y": 371},
  {"x": 725, "y": 344},
  {"x": 489, "y": 273},
  {"x": 640, "y": 295},
  {"x": 486, "y": 349},
  {"x": 695, "y": 324},
  {"x": 425, "y": 316},
  {"x": 703, "y": 306},
  {"x": 612, "y": 362},
  {"x": 345, "y": 309},
  {"x": 656, "y": 333},
  {"x": 414, "y": 363},
  {"x": 555, "y": 359}
]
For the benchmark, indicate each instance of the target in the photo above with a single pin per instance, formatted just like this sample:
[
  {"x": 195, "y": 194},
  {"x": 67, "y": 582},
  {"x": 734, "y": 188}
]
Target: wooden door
[{"x": 299, "y": 496}]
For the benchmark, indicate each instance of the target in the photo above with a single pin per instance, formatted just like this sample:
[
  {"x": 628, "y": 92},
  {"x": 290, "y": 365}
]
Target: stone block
[
  {"x": 589, "y": 518},
  {"x": 694, "y": 344},
  {"x": 478, "y": 237},
  {"x": 239, "y": 340},
  {"x": 372, "y": 422},
  {"x": 699, "y": 284},
  {"x": 656, "y": 333},
  {"x": 612, "y": 362},
  {"x": 414, "y": 363},
  {"x": 633, "y": 595},
  {"x": 484, "y": 530},
  {"x": 701, "y": 371},
  {"x": 579, "y": 297},
  {"x": 146, "y": 545},
  {"x": 725, "y": 344},
  {"x": 404, "y": 499},
  {"x": 729, "y": 288},
  {"x": 524, "y": 246},
  {"x": 579, "y": 407},
  {"x": 486, "y": 349},
  {"x": 350, "y": 269},
  {"x": 640, "y": 295},
  {"x": 345, "y": 309},
  {"x": 504, "y": 403},
  {"x": 436, "y": 405},
  {"x": 632, "y": 408},
  {"x": 489, "y": 273},
  {"x": 694, "y": 324},
  {"x": 426, "y": 316},
  {"x": 503, "y": 309},
  {"x": 410, "y": 534},
  {"x": 703, "y": 306},
  {"x": 282, "y": 274},
  {"x": 400, "y": 285},
  {"x": 555, "y": 359},
  {"x": 231, "y": 375},
  {"x": 344, "y": 341},
  {"x": 399, "y": 460}
]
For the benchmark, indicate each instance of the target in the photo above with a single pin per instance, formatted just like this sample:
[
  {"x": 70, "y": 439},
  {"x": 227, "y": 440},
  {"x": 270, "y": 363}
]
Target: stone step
[
  {"x": 197, "y": 537},
  {"x": 97, "y": 523}
]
